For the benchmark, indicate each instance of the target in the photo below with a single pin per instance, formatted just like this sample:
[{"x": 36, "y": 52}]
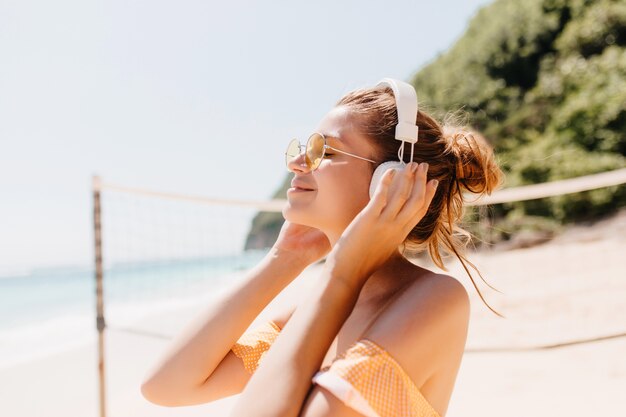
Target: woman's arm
[
  {"x": 198, "y": 350},
  {"x": 281, "y": 383}
]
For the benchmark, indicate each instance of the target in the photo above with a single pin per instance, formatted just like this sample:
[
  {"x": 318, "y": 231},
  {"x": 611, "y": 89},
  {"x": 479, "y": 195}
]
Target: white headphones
[{"x": 406, "y": 129}]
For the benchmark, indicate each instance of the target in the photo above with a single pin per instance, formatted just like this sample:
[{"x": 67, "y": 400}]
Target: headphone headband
[
  {"x": 406, "y": 105},
  {"x": 406, "y": 129}
]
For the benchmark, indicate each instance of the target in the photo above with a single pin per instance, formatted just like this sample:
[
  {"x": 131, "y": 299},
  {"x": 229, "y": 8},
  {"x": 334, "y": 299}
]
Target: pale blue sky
[{"x": 154, "y": 94}]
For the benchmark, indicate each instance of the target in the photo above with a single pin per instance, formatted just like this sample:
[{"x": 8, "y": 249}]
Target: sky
[{"x": 190, "y": 97}]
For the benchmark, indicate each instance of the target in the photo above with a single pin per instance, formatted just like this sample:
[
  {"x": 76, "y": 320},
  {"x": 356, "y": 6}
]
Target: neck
[{"x": 385, "y": 280}]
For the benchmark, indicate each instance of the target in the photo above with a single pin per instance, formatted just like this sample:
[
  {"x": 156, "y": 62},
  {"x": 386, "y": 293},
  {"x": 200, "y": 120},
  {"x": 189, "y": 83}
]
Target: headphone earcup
[{"x": 380, "y": 171}]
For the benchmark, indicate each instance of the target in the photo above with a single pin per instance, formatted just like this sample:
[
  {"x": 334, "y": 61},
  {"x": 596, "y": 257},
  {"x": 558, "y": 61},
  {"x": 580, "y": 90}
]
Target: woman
[{"x": 377, "y": 335}]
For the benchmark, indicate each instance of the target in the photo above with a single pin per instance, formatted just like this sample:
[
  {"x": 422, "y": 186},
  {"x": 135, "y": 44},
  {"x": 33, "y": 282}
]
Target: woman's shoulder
[
  {"x": 417, "y": 283},
  {"x": 426, "y": 284},
  {"x": 432, "y": 285},
  {"x": 426, "y": 325},
  {"x": 433, "y": 298}
]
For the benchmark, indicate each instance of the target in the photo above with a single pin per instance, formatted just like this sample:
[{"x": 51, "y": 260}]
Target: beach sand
[{"x": 569, "y": 292}]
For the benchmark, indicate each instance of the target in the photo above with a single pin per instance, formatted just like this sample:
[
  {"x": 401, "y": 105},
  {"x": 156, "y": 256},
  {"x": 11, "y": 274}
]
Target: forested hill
[{"x": 545, "y": 83}]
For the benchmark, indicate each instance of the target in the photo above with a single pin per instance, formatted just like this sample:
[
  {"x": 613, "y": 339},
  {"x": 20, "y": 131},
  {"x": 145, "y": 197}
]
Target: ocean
[{"x": 48, "y": 310}]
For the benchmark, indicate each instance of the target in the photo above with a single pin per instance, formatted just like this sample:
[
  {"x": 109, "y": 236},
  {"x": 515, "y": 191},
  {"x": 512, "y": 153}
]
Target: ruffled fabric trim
[
  {"x": 345, "y": 392},
  {"x": 366, "y": 378},
  {"x": 252, "y": 345}
]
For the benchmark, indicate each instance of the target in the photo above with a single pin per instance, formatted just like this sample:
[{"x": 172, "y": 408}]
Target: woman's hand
[
  {"x": 303, "y": 243},
  {"x": 401, "y": 200}
]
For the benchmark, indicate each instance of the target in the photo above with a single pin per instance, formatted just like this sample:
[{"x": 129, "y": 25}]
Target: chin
[
  {"x": 295, "y": 216},
  {"x": 290, "y": 214}
]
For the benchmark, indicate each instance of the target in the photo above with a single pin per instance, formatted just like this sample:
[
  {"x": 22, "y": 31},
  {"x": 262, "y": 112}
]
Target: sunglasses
[{"x": 315, "y": 150}]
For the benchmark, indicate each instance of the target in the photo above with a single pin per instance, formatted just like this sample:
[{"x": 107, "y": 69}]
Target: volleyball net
[{"x": 159, "y": 250}]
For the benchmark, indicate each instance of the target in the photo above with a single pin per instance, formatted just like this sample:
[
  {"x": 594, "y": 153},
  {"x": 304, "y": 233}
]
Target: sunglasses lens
[
  {"x": 314, "y": 150},
  {"x": 293, "y": 150}
]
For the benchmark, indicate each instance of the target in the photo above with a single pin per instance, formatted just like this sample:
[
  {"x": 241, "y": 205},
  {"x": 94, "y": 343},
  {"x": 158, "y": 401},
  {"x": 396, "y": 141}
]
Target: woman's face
[{"x": 341, "y": 182}]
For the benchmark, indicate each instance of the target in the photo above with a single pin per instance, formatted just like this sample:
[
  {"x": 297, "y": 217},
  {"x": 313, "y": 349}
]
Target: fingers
[
  {"x": 400, "y": 190},
  {"x": 381, "y": 195},
  {"x": 405, "y": 196},
  {"x": 431, "y": 189},
  {"x": 422, "y": 194},
  {"x": 419, "y": 190}
]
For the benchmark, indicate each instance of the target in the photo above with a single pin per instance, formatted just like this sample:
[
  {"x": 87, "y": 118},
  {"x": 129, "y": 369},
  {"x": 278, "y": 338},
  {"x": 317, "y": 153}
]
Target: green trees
[{"x": 545, "y": 82}]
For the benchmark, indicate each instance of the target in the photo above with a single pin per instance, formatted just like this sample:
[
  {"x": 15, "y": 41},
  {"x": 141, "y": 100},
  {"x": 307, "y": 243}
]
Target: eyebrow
[
  {"x": 333, "y": 137},
  {"x": 337, "y": 143}
]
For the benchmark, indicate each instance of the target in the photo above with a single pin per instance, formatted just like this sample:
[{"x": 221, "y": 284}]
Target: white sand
[{"x": 571, "y": 289}]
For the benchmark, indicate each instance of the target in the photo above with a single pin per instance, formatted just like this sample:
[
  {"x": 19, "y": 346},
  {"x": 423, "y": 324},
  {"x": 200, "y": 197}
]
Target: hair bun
[{"x": 475, "y": 166}]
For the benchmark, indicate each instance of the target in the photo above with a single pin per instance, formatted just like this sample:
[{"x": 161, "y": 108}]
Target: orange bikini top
[{"x": 365, "y": 377}]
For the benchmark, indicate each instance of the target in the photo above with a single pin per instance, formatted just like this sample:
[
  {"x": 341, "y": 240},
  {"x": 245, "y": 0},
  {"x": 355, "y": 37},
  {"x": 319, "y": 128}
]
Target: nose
[{"x": 298, "y": 163}]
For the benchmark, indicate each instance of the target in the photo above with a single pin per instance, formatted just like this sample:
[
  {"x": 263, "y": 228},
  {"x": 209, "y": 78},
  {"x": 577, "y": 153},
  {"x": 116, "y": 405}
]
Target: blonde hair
[{"x": 460, "y": 158}]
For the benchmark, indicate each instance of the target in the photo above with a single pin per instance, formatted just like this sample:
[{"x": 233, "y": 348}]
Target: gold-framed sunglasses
[{"x": 315, "y": 150}]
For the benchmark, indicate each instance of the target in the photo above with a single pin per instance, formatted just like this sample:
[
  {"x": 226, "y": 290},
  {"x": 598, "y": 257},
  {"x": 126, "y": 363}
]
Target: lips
[{"x": 300, "y": 186}]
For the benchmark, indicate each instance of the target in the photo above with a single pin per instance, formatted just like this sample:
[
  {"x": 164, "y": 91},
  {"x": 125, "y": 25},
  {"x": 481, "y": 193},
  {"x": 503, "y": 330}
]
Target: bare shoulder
[
  {"x": 433, "y": 299},
  {"x": 424, "y": 330},
  {"x": 441, "y": 292},
  {"x": 426, "y": 326}
]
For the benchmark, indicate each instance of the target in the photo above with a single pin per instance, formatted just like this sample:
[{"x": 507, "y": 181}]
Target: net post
[{"x": 100, "y": 324}]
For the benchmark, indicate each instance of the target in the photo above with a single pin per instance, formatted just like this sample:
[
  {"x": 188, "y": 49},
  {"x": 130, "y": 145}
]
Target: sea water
[{"x": 54, "y": 309}]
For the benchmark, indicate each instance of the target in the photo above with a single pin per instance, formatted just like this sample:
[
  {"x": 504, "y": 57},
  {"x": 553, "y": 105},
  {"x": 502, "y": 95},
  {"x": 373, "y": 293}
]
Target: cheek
[
  {"x": 350, "y": 195},
  {"x": 360, "y": 187}
]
